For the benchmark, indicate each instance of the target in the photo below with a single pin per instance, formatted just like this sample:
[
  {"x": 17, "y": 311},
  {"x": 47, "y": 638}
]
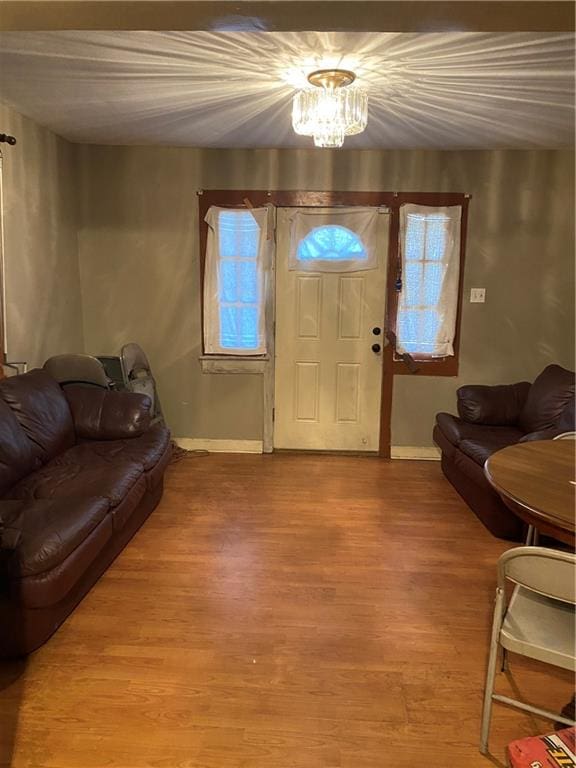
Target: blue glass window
[
  {"x": 418, "y": 321},
  {"x": 238, "y": 280},
  {"x": 331, "y": 242}
]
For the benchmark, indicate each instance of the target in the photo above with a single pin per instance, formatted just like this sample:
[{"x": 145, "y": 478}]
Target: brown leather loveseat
[
  {"x": 80, "y": 471},
  {"x": 492, "y": 417}
]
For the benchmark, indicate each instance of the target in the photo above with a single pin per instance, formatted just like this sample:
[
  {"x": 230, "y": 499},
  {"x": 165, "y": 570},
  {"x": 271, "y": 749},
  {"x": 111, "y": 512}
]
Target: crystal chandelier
[{"x": 330, "y": 110}]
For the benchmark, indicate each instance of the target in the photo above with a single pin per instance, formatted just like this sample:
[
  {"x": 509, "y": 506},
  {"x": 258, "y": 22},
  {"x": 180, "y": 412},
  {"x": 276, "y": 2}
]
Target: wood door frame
[
  {"x": 2, "y": 274},
  {"x": 302, "y": 199},
  {"x": 446, "y": 366},
  {"x": 235, "y": 198}
]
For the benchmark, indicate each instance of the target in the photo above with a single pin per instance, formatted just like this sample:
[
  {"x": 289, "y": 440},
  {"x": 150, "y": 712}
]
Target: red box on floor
[{"x": 557, "y": 750}]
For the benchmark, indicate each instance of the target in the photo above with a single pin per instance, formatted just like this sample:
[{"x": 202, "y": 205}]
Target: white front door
[{"x": 328, "y": 377}]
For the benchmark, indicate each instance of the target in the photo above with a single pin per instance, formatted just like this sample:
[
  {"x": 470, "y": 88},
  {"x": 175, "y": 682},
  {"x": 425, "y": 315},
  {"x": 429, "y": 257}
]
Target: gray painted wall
[
  {"x": 126, "y": 265},
  {"x": 139, "y": 262},
  {"x": 44, "y": 315}
]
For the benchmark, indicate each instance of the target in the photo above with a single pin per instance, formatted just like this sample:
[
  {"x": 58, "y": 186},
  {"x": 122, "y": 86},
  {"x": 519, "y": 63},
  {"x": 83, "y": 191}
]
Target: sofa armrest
[
  {"x": 10, "y": 534},
  {"x": 499, "y": 405},
  {"x": 101, "y": 414}
]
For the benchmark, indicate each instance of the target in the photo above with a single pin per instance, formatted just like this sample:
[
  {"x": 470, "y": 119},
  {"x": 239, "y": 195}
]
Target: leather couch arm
[
  {"x": 101, "y": 414},
  {"x": 499, "y": 405}
]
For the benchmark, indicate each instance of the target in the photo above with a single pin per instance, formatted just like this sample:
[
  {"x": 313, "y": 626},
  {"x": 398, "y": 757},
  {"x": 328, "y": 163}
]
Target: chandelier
[{"x": 332, "y": 109}]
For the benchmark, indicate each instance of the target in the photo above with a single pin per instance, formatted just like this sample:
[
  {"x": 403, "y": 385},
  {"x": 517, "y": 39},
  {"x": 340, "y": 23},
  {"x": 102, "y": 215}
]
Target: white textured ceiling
[{"x": 233, "y": 89}]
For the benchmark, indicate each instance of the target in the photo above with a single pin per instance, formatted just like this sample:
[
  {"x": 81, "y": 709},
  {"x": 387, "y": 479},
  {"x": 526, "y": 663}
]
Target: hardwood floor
[{"x": 286, "y": 611}]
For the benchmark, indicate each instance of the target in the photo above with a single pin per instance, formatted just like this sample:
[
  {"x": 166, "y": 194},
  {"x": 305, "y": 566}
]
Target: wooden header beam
[{"x": 281, "y": 16}]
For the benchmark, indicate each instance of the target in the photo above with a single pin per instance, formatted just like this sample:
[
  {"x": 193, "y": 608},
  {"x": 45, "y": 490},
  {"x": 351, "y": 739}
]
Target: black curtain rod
[{"x": 8, "y": 139}]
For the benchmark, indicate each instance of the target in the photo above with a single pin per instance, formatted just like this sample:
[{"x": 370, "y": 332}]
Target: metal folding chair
[
  {"x": 537, "y": 621},
  {"x": 77, "y": 369},
  {"x": 138, "y": 377}
]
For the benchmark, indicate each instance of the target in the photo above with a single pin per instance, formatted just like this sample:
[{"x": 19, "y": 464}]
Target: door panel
[
  {"x": 308, "y": 308},
  {"x": 347, "y": 392},
  {"x": 328, "y": 379},
  {"x": 307, "y": 396},
  {"x": 350, "y": 307}
]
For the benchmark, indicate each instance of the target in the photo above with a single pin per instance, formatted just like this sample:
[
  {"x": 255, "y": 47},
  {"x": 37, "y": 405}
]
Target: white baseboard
[
  {"x": 219, "y": 446},
  {"x": 417, "y": 452},
  {"x": 420, "y": 452}
]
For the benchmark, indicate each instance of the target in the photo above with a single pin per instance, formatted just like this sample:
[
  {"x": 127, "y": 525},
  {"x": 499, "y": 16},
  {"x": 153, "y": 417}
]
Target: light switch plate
[{"x": 477, "y": 295}]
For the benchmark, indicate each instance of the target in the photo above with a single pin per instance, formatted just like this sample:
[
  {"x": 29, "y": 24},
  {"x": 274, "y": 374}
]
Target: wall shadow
[{"x": 12, "y": 680}]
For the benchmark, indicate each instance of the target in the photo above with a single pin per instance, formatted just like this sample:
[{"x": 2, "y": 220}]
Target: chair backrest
[
  {"x": 566, "y": 436},
  {"x": 134, "y": 360},
  {"x": 549, "y": 572},
  {"x": 138, "y": 376},
  {"x": 77, "y": 369}
]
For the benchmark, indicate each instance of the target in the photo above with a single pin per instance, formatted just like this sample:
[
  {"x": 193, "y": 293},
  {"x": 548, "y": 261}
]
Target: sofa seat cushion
[
  {"x": 146, "y": 450},
  {"x": 456, "y": 431},
  {"x": 44, "y": 532},
  {"x": 70, "y": 475},
  {"x": 480, "y": 450}
]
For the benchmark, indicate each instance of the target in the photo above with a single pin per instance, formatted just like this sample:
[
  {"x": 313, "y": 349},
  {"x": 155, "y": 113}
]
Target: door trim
[{"x": 303, "y": 199}]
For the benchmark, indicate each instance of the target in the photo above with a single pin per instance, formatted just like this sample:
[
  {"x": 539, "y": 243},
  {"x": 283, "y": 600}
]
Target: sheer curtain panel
[
  {"x": 236, "y": 267},
  {"x": 428, "y": 299}
]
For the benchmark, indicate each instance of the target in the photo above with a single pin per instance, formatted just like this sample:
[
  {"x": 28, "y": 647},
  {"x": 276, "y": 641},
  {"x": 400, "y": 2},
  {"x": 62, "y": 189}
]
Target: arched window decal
[
  {"x": 331, "y": 242},
  {"x": 335, "y": 239}
]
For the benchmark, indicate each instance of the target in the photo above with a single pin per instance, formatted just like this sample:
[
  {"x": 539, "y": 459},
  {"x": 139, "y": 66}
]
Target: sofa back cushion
[
  {"x": 549, "y": 395},
  {"x": 500, "y": 405},
  {"x": 42, "y": 411},
  {"x": 100, "y": 414},
  {"x": 16, "y": 454}
]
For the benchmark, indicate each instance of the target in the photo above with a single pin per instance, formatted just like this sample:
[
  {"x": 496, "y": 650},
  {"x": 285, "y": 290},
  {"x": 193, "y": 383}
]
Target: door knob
[
  {"x": 376, "y": 331},
  {"x": 376, "y": 348}
]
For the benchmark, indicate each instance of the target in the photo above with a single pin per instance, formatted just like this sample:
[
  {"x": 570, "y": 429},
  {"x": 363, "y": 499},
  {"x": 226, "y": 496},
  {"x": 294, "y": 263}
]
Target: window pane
[
  {"x": 331, "y": 243},
  {"x": 433, "y": 273},
  {"x": 417, "y": 329},
  {"x": 238, "y": 327},
  {"x": 413, "y": 284},
  {"x": 238, "y": 281},
  {"x": 407, "y": 329},
  {"x": 238, "y": 235},
  {"x": 415, "y": 242},
  {"x": 429, "y": 325},
  {"x": 435, "y": 238}
]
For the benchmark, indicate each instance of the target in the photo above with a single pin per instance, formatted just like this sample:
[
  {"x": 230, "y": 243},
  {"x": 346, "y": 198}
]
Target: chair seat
[{"x": 540, "y": 627}]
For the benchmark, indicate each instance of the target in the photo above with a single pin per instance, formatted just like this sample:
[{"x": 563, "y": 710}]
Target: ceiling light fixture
[{"x": 332, "y": 109}]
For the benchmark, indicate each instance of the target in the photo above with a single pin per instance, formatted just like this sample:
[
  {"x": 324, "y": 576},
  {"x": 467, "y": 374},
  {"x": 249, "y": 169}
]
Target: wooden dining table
[{"x": 536, "y": 480}]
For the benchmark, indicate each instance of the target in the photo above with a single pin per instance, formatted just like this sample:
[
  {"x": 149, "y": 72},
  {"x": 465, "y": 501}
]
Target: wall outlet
[{"x": 477, "y": 295}]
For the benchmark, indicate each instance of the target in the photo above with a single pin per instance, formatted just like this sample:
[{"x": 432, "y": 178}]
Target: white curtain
[
  {"x": 428, "y": 301},
  {"x": 237, "y": 267},
  {"x": 334, "y": 240}
]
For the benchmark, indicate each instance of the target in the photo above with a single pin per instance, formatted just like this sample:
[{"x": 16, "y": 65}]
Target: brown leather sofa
[
  {"x": 80, "y": 471},
  {"x": 492, "y": 417}
]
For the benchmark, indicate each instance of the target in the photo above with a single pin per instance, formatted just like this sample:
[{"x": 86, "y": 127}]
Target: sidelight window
[
  {"x": 234, "y": 281},
  {"x": 428, "y": 280}
]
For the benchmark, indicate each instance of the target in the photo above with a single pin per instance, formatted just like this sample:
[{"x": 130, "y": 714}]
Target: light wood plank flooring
[{"x": 288, "y": 611}]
